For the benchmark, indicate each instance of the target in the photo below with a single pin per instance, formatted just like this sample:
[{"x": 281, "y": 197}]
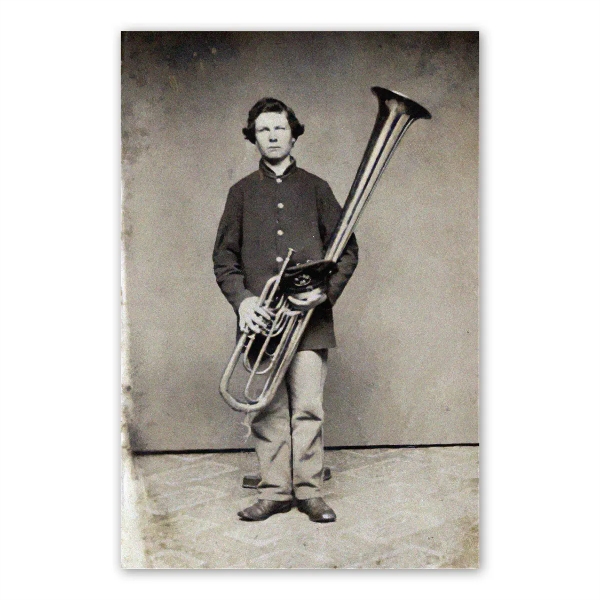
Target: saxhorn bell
[{"x": 266, "y": 357}]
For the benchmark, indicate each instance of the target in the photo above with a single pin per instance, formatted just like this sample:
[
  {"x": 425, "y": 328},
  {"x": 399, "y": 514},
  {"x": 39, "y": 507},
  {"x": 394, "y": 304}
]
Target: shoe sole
[
  {"x": 322, "y": 520},
  {"x": 327, "y": 520},
  {"x": 264, "y": 517}
]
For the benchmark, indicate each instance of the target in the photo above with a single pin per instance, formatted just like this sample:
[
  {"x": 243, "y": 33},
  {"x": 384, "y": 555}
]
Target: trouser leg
[
  {"x": 273, "y": 444},
  {"x": 305, "y": 383},
  {"x": 289, "y": 432}
]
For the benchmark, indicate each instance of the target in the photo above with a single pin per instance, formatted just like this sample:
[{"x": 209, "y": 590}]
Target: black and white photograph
[
  {"x": 299, "y": 299},
  {"x": 300, "y": 284}
]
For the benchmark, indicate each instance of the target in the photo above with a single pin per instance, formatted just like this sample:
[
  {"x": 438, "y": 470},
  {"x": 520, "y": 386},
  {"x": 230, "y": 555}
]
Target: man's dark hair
[{"x": 271, "y": 105}]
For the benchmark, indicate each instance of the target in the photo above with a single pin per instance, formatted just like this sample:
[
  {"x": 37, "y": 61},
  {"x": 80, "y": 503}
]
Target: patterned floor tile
[
  {"x": 397, "y": 508},
  {"x": 165, "y": 499},
  {"x": 171, "y": 559}
]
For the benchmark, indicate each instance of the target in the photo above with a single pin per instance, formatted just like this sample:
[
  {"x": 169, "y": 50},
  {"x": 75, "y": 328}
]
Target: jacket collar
[{"x": 266, "y": 170}]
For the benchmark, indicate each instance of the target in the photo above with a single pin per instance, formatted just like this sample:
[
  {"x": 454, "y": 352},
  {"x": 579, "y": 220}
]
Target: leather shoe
[
  {"x": 317, "y": 510},
  {"x": 263, "y": 509}
]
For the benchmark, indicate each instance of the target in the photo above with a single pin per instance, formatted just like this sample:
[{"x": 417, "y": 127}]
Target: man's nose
[{"x": 272, "y": 136}]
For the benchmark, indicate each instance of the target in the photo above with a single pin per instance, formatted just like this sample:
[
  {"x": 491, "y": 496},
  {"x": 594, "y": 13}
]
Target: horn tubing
[{"x": 365, "y": 183}]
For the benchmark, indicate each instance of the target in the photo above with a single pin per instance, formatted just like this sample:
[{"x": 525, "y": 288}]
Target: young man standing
[{"x": 282, "y": 206}]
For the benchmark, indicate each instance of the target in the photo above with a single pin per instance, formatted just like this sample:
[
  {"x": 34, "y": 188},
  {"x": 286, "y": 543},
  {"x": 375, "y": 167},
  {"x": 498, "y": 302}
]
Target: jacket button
[
  {"x": 280, "y": 205},
  {"x": 278, "y": 180},
  {"x": 279, "y": 259},
  {"x": 279, "y": 232}
]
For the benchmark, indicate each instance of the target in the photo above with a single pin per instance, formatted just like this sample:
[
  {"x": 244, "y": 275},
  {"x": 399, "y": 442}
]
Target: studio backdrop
[{"x": 406, "y": 367}]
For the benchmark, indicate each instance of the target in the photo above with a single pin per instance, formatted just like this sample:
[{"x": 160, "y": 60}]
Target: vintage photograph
[{"x": 300, "y": 299}]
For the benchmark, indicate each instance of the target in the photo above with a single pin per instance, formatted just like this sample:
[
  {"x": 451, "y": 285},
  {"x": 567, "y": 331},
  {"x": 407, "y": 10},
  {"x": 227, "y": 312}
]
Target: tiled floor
[{"x": 396, "y": 508}]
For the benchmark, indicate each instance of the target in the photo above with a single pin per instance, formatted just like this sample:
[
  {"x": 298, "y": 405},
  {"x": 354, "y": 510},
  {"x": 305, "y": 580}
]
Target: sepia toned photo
[{"x": 300, "y": 291}]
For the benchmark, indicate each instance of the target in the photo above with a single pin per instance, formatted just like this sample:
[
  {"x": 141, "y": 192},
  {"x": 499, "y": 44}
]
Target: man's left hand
[{"x": 308, "y": 300}]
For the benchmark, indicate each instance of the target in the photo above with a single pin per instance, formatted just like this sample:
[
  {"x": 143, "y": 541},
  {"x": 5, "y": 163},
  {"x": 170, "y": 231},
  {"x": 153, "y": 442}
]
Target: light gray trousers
[{"x": 289, "y": 432}]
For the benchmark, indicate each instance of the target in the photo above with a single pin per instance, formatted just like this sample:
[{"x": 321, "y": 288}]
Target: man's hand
[
  {"x": 252, "y": 316},
  {"x": 308, "y": 300}
]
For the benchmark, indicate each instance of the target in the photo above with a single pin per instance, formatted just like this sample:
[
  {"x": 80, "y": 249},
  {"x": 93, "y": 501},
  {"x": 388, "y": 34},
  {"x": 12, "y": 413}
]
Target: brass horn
[{"x": 267, "y": 357}]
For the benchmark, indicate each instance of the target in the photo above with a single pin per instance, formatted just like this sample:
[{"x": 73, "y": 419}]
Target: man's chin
[{"x": 274, "y": 160}]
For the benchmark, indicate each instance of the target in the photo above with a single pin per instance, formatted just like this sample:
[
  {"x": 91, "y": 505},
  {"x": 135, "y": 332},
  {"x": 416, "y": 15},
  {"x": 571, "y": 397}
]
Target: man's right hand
[{"x": 252, "y": 316}]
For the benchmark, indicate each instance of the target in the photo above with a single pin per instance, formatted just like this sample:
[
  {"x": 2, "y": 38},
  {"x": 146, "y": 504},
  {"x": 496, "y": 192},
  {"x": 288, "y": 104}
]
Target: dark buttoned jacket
[{"x": 264, "y": 216}]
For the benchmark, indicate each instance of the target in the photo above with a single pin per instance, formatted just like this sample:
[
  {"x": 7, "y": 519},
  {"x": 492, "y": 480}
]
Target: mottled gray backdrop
[{"x": 406, "y": 367}]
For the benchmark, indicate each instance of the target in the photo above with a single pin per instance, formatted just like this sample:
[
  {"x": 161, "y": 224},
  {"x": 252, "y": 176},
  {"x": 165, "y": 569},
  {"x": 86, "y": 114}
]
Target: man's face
[{"x": 273, "y": 136}]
